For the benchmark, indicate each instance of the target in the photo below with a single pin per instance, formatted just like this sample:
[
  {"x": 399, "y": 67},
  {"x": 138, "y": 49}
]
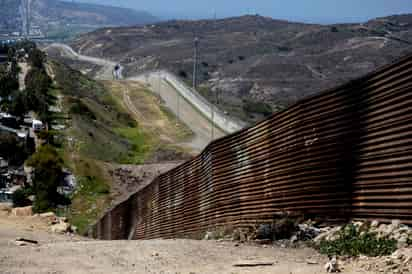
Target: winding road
[
  {"x": 106, "y": 73},
  {"x": 205, "y": 120}
]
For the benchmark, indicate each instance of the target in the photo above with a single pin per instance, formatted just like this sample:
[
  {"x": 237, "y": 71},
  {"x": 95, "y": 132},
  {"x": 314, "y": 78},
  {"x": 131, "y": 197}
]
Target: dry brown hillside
[{"x": 247, "y": 60}]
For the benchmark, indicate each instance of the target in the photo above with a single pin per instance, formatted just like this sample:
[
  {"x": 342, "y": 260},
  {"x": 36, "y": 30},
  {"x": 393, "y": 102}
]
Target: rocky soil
[
  {"x": 55, "y": 253},
  {"x": 128, "y": 179},
  {"x": 29, "y": 245}
]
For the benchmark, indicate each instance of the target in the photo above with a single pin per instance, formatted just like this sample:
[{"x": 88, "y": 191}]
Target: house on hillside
[{"x": 37, "y": 125}]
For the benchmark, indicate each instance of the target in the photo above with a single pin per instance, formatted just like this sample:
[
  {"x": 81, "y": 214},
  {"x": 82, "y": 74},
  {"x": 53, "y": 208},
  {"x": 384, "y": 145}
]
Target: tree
[
  {"x": 37, "y": 95},
  {"x": 48, "y": 174},
  {"x": 8, "y": 83},
  {"x": 36, "y": 58},
  {"x": 18, "y": 105},
  {"x": 20, "y": 198},
  {"x": 12, "y": 149}
]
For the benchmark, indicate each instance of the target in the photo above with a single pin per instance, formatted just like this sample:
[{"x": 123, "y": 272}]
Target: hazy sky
[{"x": 320, "y": 11}]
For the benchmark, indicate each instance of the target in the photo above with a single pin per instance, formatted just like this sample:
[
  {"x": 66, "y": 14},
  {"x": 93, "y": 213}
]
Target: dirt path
[{"x": 106, "y": 73}]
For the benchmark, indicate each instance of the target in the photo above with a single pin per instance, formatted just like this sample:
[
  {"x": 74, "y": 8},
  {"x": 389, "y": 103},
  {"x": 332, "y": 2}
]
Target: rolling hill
[
  {"x": 61, "y": 19},
  {"x": 252, "y": 65}
]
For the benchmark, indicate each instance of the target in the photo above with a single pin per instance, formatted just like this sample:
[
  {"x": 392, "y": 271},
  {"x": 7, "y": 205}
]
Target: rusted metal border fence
[{"x": 346, "y": 153}]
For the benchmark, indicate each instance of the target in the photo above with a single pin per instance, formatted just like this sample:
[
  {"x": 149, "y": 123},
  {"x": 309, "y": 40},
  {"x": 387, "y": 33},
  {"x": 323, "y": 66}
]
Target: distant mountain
[
  {"x": 59, "y": 18},
  {"x": 250, "y": 61},
  {"x": 10, "y": 19},
  {"x": 88, "y": 14}
]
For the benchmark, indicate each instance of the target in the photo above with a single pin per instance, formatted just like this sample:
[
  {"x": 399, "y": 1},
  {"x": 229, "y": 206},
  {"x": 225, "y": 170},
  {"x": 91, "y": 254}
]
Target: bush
[
  {"x": 80, "y": 108},
  {"x": 257, "y": 107},
  {"x": 20, "y": 198},
  {"x": 48, "y": 174},
  {"x": 352, "y": 242},
  {"x": 182, "y": 74}
]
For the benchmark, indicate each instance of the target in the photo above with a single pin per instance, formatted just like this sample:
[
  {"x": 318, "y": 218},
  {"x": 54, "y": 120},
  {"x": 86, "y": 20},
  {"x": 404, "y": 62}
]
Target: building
[
  {"x": 37, "y": 125},
  {"x": 6, "y": 196}
]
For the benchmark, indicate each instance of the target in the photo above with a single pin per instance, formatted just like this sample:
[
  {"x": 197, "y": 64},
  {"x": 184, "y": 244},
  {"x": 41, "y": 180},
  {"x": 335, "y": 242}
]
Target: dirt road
[
  {"x": 76, "y": 255},
  {"x": 106, "y": 73},
  {"x": 203, "y": 129},
  {"x": 196, "y": 113}
]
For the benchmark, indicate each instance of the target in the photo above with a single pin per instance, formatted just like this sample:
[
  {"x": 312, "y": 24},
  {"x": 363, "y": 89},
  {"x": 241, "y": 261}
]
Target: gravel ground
[{"x": 72, "y": 254}]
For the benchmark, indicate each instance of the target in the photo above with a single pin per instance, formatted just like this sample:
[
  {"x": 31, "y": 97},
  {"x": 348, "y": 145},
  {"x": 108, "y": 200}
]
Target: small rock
[
  {"x": 397, "y": 255},
  {"x": 60, "y": 228},
  {"x": 332, "y": 266},
  {"x": 48, "y": 215},
  {"x": 63, "y": 219},
  {"x": 396, "y": 223},
  {"x": 363, "y": 258},
  {"x": 402, "y": 242},
  {"x": 375, "y": 223},
  {"x": 208, "y": 236}
]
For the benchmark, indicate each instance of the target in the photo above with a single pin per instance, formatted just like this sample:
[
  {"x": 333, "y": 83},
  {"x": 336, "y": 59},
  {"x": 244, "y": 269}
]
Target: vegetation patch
[
  {"x": 257, "y": 107},
  {"x": 91, "y": 196},
  {"x": 353, "y": 242},
  {"x": 48, "y": 174},
  {"x": 102, "y": 127},
  {"x": 139, "y": 145}
]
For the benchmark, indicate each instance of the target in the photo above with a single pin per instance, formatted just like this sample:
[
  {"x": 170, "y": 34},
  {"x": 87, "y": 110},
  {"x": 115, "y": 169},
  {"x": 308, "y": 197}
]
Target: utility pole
[
  {"x": 159, "y": 84},
  {"x": 196, "y": 48},
  {"x": 178, "y": 107},
  {"x": 27, "y": 18}
]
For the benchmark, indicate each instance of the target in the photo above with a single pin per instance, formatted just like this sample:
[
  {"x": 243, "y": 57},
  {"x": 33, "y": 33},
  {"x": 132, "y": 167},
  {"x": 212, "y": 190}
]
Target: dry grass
[{"x": 154, "y": 119}]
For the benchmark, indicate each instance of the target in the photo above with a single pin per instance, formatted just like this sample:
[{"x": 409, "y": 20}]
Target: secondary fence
[{"x": 346, "y": 153}]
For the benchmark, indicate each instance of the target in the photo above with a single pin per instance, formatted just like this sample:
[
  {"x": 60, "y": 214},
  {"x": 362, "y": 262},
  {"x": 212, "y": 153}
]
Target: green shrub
[
  {"x": 352, "y": 242},
  {"x": 48, "y": 174},
  {"x": 20, "y": 198},
  {"x": 80, "y": 108},
  {"x": 182, "y": 74},
  {"x": 257, "y": 107}
]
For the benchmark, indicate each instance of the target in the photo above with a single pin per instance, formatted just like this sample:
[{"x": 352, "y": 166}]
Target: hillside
[
  {"x": 10, "y": 20},
  {"x": 87, "y": 14},
  {"x": 246, "y": 62},
  {"x": 60, "y": 19},
  {"x": 104, "y": 137}
]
